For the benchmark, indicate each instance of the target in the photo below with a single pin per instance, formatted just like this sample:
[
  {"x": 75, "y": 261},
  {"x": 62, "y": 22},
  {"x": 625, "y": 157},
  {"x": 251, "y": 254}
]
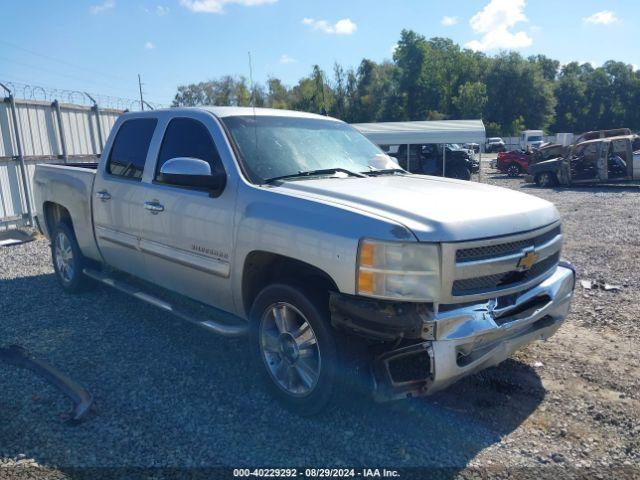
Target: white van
[{"x": 532, "y": 138}]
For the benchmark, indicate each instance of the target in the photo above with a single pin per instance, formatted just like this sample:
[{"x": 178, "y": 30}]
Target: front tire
[
  {"x": 68, "y": 261},
  {"x": 294, "y": 347},
  {"x": 546, "y": 180},
  {"x": 513, "y": 170}
]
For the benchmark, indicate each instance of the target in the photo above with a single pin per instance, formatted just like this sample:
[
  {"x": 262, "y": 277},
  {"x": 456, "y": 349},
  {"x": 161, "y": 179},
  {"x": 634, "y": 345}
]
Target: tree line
[{"x": 433, "y": 79}]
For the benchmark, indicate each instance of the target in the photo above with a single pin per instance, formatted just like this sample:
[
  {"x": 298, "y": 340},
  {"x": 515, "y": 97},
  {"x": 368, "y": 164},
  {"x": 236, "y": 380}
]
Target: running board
[{"x": 224, "y": 329}]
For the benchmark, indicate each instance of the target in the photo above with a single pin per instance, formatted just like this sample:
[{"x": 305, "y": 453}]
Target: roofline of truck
[{"x": 222, "y": 112}]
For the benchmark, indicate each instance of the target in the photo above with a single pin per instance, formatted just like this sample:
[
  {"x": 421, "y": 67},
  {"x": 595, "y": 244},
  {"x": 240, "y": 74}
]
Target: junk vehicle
[
  {"x": 474, "y": 147},
  {"x": 427, "y": 159},
  {"x": 315, "y": 243},
  {"x": 514, "y": 163},
  {"x": 599, "y": 156},
  {"x": 517, "y": 162},
  {"x": 429, "y": 147}
]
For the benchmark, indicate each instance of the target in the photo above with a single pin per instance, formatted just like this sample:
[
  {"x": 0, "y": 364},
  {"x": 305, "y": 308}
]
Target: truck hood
[{"x": 435, "y": 209}]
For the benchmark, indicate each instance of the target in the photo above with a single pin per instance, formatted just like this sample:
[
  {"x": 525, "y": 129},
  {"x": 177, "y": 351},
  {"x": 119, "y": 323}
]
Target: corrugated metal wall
[{"x": 40, "y": 136}]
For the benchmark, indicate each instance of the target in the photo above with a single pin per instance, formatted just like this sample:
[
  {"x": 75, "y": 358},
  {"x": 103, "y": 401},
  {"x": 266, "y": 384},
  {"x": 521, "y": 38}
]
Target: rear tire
[
  {"x": 68, "y": 261},
  {"x": 460, "y": 172},
  {"x": 294, "y": 347}
]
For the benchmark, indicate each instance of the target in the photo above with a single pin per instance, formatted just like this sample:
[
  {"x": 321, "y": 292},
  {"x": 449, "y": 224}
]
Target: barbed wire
[{"x": 37, "y": 92}]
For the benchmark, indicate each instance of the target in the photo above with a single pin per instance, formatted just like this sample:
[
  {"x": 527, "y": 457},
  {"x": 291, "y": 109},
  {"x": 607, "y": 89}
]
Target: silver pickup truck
[{"x": 315, "y": 244}]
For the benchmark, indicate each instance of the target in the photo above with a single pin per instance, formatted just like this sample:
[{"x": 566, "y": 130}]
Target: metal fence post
[
  {"x": 23, "y": 168},
  {"x": 408, "y": 157},
  {"x": 63, "y": 141},
  {"x": 444, "y": 160},
  {"x": 96, "y": 110}
]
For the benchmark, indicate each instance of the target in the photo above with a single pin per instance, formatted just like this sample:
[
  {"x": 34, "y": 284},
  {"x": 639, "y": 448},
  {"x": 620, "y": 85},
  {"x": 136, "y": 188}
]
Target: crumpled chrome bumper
[{"x": 471, "y": 338}]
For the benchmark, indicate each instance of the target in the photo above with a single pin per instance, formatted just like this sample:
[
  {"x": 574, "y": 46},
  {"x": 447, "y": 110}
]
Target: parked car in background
[
  {"x": 495, "y": 144},
  {"x": 475, "y": 147},
  {"x": 531, "y": 139},
  {"x": 600, "y": 158},
  {"x": 514, "y": 163},
  {"x": 313, "y": 250},
  {"x": 428, "y": 159},
  {"x": 457, "y": 146}
]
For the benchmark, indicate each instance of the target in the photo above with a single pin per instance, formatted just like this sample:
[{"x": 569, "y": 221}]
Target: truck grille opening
[
  {"x": 465, "y": 357},
  {"x": 503, "y": 249},
  {"x": 415, "y": 367},
  {"x": 473, "y": 286},
  {"x": 527, "y": 308}
]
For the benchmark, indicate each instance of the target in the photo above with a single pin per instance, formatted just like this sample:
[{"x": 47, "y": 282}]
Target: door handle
[
  {"x": 103, "y": 195},
  {"x": 154, "y": 207}
]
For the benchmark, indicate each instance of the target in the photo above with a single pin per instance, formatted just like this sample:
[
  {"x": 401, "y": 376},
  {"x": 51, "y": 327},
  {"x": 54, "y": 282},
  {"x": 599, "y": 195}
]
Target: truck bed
[{"x": 69, "y": 186}]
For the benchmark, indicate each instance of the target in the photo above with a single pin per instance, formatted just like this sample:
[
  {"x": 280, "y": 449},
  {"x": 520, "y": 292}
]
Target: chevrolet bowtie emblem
[{"x": 527, "y": 261}]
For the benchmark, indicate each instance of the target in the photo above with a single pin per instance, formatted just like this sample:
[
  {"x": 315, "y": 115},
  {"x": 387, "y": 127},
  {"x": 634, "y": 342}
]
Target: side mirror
[{"x": 194, "y": 173}]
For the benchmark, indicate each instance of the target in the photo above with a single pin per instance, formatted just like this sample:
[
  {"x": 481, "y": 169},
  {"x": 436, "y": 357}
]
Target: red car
[{"x": 514, "y": 163}]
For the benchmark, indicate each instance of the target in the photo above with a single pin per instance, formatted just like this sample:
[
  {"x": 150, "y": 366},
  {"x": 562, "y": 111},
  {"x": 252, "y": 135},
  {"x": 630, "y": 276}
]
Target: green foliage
[
  {"x": 436, "y": 79},
  {"x": 517, "y": 88},
  {"x": 471, "y": 100}
]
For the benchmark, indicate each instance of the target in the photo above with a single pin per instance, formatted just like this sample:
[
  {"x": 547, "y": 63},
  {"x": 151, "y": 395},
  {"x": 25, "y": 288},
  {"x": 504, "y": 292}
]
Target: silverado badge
[{"x": 528, "y": 260}]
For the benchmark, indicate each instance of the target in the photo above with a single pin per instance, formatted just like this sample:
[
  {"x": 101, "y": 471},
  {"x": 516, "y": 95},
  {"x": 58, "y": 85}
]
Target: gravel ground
[{"x": 168, "y": 396}]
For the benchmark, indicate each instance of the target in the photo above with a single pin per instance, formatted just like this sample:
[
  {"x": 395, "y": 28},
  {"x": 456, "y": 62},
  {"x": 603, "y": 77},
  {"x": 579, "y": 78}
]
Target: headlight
[{"x": 398, "y": 271}]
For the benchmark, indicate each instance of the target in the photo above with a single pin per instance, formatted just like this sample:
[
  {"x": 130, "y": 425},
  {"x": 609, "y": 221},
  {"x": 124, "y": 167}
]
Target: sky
[{"x": 100, "y": 46}]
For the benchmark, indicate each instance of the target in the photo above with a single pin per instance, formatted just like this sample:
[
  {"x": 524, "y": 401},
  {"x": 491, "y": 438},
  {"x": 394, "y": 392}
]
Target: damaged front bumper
[{"x": 460, "y": 340}]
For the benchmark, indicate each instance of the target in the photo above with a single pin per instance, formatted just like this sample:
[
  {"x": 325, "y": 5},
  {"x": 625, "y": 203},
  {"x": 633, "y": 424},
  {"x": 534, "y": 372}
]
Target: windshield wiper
[
  {"x": 309, "y": 173},
  {"x": 385, "y": 171}
]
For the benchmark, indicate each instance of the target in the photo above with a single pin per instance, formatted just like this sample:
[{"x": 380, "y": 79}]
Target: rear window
[{"x": 129, "y": 150}]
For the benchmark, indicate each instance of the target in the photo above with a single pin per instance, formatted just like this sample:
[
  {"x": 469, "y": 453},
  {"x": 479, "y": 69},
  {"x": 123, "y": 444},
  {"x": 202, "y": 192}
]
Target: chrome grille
[
  {"x": 472, "y": 286},
  {"x": 481, "y": 253},
  {"x": 483, "y": 269}
]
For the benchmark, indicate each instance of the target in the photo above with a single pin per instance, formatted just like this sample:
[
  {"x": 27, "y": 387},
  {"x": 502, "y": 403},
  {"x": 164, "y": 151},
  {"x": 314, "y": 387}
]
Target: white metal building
[
  {"x": 411, "y": 133},
  {"x": 398, "y": 137}
]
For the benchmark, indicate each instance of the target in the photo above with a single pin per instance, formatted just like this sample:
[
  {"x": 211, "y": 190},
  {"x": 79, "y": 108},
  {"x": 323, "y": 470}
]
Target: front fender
[{"x": 320, "y": 234}]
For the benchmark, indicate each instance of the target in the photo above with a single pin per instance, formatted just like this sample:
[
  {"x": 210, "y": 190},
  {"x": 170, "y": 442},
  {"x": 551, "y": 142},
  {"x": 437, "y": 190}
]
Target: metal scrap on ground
[
  {"x": 82, "y": 399},
  {"x": 594, "y": 285}
]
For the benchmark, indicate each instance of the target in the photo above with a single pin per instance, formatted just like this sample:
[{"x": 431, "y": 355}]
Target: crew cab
[{"x": 295, "y": 229}]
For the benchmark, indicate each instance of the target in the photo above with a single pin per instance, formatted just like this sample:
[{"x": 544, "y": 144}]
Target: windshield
[
  {"x": 535, "y": 138},
  {"x": 455, "y": 146},
  {"x": 273, "y": 146}
]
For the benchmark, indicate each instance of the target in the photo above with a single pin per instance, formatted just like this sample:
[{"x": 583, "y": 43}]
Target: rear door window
[{"x": 129, "y": 151}]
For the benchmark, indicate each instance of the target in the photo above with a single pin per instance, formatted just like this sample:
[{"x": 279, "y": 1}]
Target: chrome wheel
[
  {"x": 64, "y": 257},
  {"x": 290, "y": 349},
  {"x": 513, "y": 171}
]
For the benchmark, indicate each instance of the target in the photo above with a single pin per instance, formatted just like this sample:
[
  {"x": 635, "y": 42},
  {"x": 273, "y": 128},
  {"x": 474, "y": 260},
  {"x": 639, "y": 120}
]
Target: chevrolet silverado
[{"x": 314, "y": 243}]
